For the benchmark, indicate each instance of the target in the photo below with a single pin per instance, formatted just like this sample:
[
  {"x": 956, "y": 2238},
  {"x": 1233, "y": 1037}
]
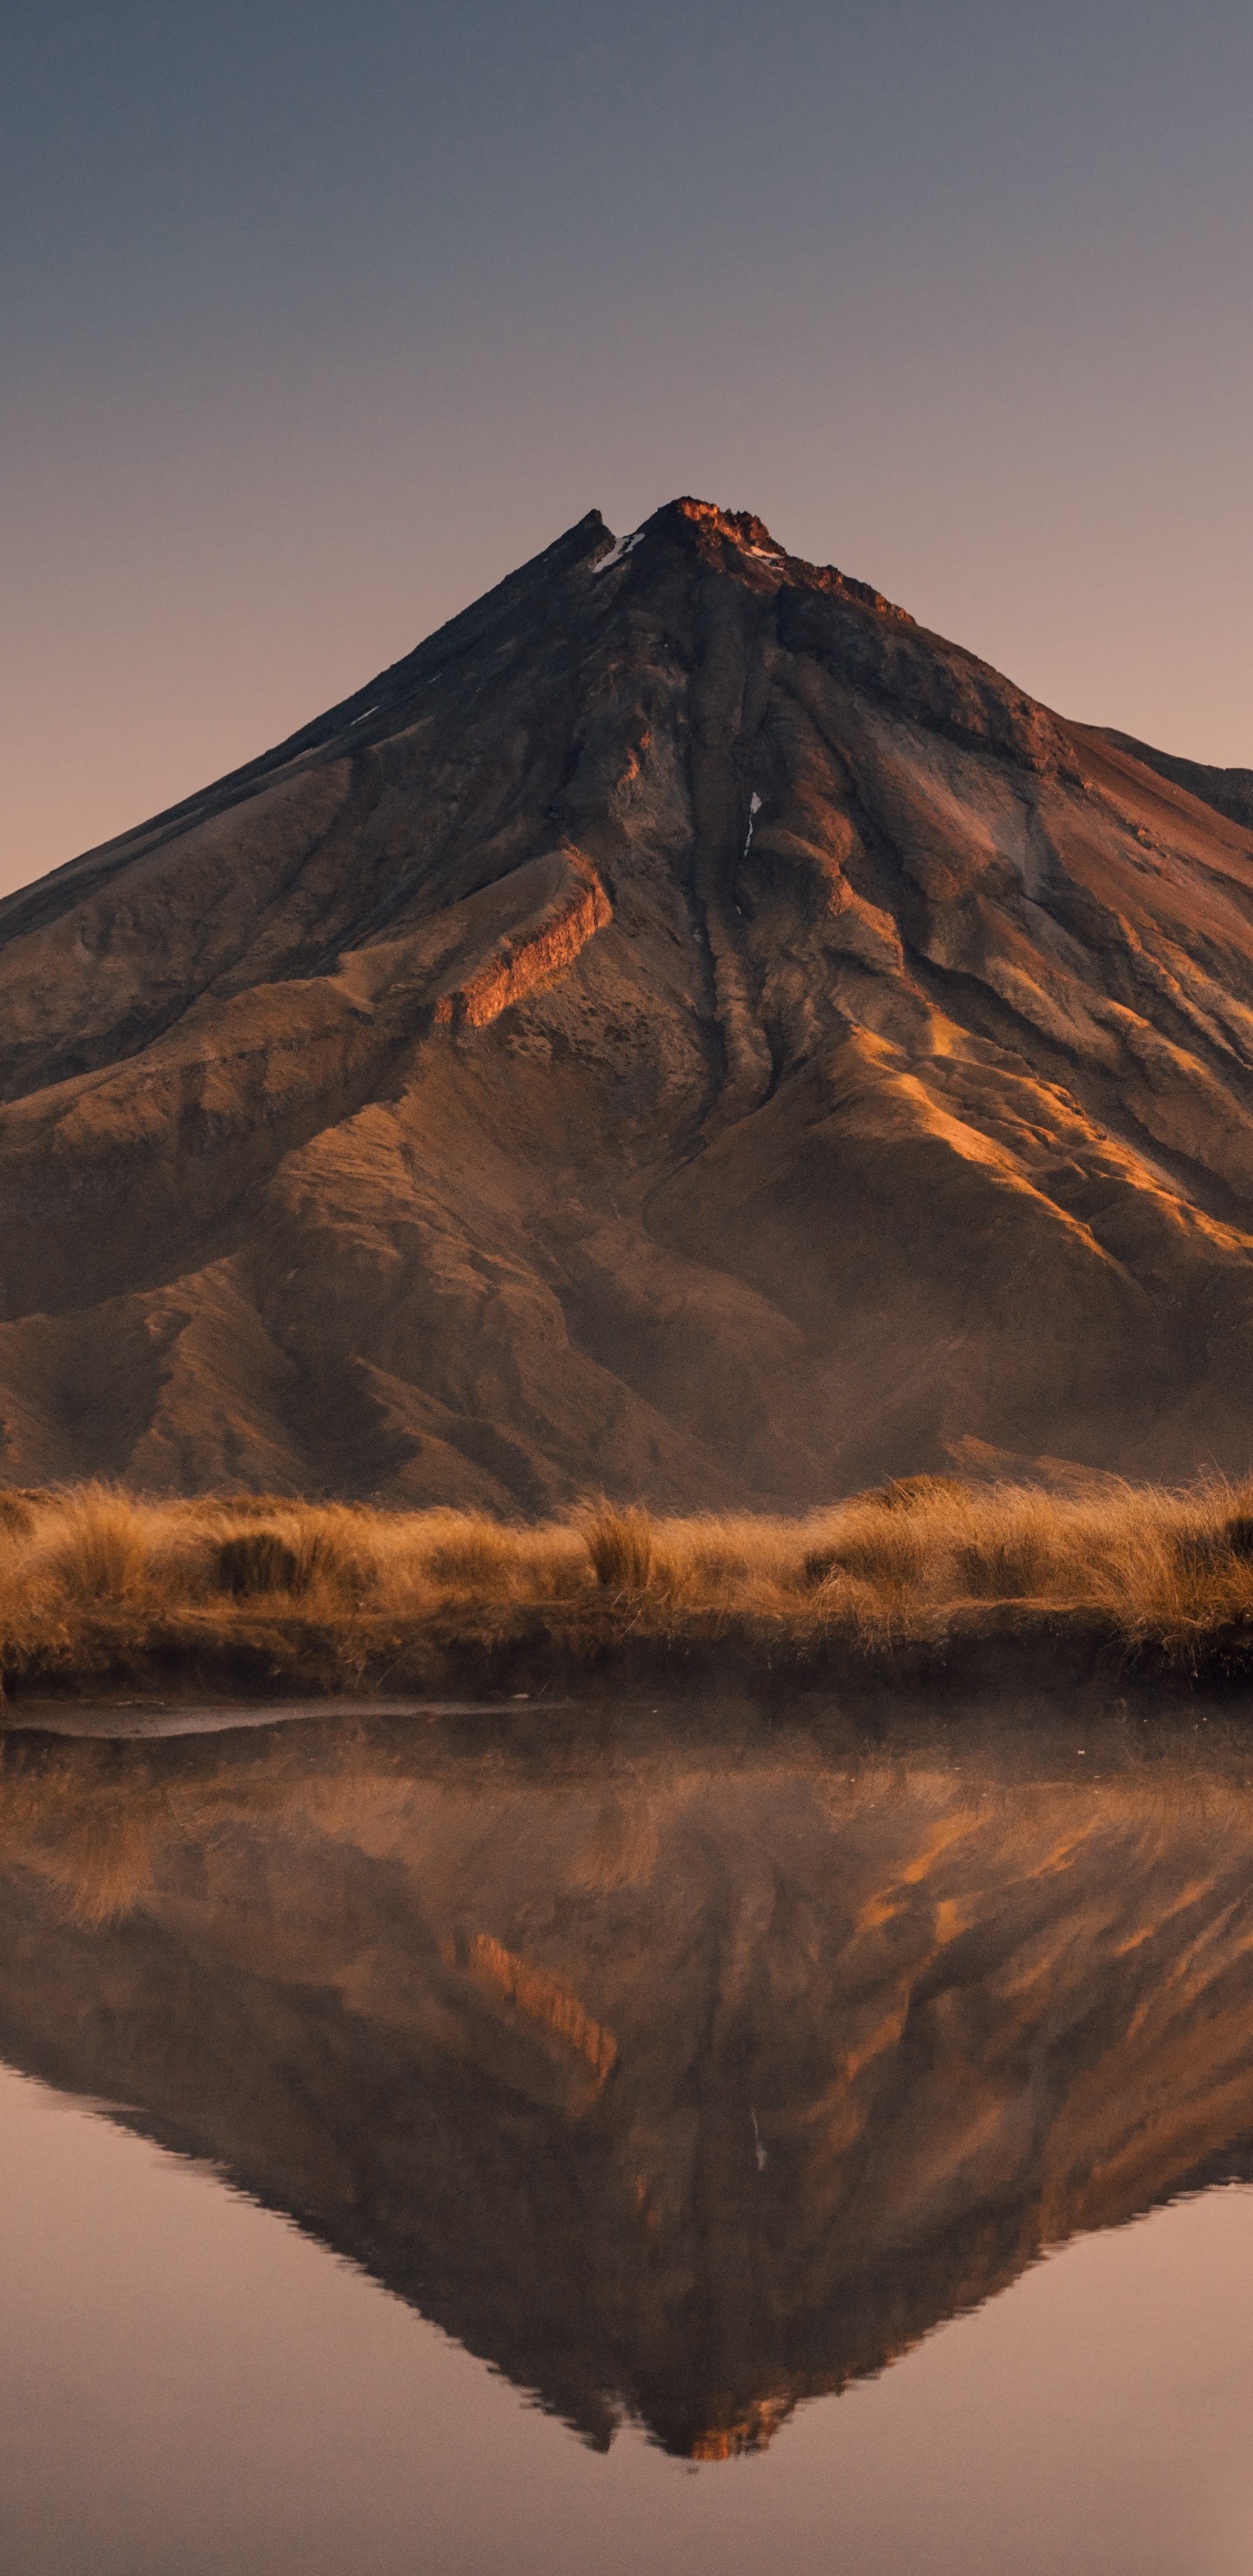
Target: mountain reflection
[{"x": 676, "y": 2078}]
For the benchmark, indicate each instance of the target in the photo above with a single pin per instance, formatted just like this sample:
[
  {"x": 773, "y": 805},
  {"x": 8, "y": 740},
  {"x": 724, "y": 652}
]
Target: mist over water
[{"x": 719, "y": 2088}]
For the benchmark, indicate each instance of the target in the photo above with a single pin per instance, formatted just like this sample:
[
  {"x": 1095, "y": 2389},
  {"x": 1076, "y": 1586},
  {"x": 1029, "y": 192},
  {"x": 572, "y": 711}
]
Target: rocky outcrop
[
  {"x": 551, "y": 940},
  {"x": 685, "y": 1030}
]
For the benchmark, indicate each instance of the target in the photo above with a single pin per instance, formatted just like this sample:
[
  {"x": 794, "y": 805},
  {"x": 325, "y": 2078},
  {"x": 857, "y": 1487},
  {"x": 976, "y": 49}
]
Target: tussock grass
[
  {"x": 620, "y": 1546},
  {"x": 96, "y": 1582}
]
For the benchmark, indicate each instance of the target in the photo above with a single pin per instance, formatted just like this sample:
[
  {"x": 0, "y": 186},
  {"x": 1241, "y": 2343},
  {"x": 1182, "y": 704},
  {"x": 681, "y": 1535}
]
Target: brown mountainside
[
  {"x": 686, "y": 1029},
  {"x": 1230, "y": 791}
]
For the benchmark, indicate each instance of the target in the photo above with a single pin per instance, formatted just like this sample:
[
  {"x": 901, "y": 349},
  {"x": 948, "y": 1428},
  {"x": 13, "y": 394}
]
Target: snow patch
[
  {"x": 621, "y": 550},
  {"x": 366, "y": 711},
  {"x": 754, "y": 809}
]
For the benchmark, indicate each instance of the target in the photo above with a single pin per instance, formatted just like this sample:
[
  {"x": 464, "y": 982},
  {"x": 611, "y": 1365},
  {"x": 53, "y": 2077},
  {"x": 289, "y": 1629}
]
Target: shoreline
[
  {"x": 925, "y": 1586},
  {"x": 976, "y": 1652}
]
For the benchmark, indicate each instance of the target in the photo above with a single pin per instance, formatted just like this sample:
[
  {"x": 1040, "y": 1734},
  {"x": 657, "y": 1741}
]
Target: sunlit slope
[
  {"x": 686, "y": 1029},
  {"x": 679, "y": 2082}
]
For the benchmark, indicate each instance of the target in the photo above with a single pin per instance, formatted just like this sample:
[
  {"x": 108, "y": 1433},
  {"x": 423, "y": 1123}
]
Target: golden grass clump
[
  {"x": 251, "y": 1563},
  {"x": 97, "y": 1548},
  {"x": 620, "y": 1545},
  {"x": 473, "y": 1555},
  {"x": 96, "y": 1581}
]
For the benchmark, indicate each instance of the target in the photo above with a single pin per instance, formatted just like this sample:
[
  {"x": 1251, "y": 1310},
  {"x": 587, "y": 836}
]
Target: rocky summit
[{"x": 686, "y": 1030}]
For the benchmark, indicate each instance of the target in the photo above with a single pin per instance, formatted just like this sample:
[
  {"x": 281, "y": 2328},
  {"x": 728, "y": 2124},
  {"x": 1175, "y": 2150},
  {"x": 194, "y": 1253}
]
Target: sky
[{"x": 316, "y": 319}]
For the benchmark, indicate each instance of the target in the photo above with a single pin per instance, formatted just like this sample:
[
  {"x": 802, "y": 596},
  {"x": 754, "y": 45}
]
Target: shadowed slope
[
  {"x": 684, "y": 2082},
  {"x": 1229, "y": 791},
  {"x": 686, "y": 1028}
]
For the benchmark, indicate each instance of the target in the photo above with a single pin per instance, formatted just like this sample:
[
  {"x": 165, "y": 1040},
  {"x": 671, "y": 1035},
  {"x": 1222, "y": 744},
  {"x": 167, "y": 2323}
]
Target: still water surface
[{"x": 634, "y": 2147}]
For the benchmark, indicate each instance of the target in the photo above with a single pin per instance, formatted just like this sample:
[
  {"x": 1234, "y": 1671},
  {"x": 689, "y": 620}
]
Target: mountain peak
[{"x": 738, "y": 542}]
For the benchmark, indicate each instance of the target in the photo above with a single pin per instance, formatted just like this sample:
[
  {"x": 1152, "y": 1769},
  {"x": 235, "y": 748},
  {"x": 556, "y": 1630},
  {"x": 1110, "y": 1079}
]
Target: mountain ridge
[{"x": 1229, "y": 791}]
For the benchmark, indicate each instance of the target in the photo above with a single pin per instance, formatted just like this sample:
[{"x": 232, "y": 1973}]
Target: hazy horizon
[{"x": 318, "y": 323}]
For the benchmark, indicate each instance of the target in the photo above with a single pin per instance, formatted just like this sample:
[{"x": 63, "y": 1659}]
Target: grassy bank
[{"x": 927, "y": 1578}]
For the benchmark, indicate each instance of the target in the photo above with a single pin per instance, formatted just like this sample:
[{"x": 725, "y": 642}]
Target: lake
[{"x": 627, "y": 2139}]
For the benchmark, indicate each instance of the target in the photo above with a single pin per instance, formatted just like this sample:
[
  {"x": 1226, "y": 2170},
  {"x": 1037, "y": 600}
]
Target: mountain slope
[
  {"x": 1229, "y": 791},
  {"x": 685, "y": 1029}
]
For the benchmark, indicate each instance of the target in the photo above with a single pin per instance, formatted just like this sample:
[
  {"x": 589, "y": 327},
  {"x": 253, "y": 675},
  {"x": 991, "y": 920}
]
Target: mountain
[
  {"x": 686, "y": 1029},
  {"x": 679, "y": 2078}
]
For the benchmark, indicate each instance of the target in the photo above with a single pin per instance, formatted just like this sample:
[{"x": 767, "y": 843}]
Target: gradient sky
[{"x": 315, "y": 319}]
